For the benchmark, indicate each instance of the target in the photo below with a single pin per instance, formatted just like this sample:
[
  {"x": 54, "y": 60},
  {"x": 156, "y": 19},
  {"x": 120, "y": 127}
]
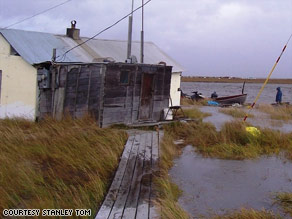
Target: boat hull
[{"x": 229, "y": 100}]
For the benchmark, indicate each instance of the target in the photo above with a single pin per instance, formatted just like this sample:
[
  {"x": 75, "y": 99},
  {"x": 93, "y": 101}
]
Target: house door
[{"x": 146, "y": 97}]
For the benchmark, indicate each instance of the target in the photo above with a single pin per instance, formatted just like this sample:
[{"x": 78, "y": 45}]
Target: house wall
[
  {"x": 123, "y": 102},
  {"x": 19, "y": 84},
  {"x": 78, "y": 92},
  {"x": 102, "y": 91},
  {"x": 175, "y": 85}
]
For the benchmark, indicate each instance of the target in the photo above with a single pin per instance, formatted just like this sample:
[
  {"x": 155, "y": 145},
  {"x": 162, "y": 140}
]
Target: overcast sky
[{"x": 208, "y": 37}]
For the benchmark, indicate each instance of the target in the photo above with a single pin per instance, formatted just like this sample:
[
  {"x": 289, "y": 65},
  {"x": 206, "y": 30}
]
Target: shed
[{"x": 110, "y": 92}]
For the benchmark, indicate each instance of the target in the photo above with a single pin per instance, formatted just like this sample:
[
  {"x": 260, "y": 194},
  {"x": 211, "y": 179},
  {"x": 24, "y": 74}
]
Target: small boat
[{"x": 229, "y": 100}]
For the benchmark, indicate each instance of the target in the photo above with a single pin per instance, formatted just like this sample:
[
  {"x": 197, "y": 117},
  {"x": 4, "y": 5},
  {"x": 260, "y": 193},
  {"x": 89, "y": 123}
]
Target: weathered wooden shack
[{"x": 111, "y": 92}]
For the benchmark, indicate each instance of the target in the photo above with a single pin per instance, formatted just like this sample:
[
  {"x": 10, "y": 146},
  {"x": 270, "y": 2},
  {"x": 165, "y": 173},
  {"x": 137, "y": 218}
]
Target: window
[{"x": 124, "y": 77}]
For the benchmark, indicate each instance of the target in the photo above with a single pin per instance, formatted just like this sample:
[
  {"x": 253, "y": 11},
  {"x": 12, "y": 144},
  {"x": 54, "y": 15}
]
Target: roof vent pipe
[{"x": 73, "y": 32}]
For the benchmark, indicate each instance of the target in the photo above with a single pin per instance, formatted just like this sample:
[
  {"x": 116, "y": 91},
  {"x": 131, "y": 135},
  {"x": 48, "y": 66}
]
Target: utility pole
[
  {"x": 130, "y": 32},
  {"x": 142, "y": 35}
]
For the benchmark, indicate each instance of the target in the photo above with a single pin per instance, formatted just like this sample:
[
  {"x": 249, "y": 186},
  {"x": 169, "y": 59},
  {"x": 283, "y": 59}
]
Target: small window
[{"x": 124, "y": 77}]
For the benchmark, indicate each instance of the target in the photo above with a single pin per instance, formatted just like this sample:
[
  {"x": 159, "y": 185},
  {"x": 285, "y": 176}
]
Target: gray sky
[{"x": 208, "y": 37}]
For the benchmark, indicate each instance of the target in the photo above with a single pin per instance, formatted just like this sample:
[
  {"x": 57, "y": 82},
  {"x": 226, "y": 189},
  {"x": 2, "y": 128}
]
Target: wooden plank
[
  {"x": 153, "y": 211},
  {"x": 119, "y": 205},
  {"x": 109, "y": 201},
  {"x": 144, "y": 197},
  {"x": 133, "y": 196},
  {"x": 76, "y": 91}
]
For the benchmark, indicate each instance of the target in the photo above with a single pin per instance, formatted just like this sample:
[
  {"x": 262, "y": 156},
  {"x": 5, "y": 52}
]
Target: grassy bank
[
  {"x": 233, "y": 141},
  {"x": 235, "y": 80},
  {"x": 284, "y": 199},
  {"x": 51, "y": 164},
  {"x": 168, "y": 192},
  {"x": 235, "y": 112},
  {"x": 277, "y": 112}
]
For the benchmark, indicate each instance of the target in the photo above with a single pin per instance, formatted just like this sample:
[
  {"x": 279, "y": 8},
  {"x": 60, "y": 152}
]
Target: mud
[{"x": 214, "y": 185}]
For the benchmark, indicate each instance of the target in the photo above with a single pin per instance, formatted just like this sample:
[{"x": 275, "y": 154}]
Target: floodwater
[
  {"x": 216, "y": 186},
  {"x": 228, "y": 89},
  {"x": 260, "y": 119}
]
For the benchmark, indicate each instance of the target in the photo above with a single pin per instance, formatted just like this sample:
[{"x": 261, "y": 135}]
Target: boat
[{"x": 229, "y": 100}]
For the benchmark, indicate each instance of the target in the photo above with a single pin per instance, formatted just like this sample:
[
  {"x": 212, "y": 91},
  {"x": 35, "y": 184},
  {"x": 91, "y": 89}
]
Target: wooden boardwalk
[{"x": 131, "y": 193}]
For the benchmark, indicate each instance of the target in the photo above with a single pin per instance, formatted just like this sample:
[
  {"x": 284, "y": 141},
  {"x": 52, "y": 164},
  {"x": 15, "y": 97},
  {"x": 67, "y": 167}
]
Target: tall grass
[
  {"x": 278, "y": 112},
  {"x": 235, "y": 112},
  {"x": 195, "y": 113},
  {"x": 56, "y": 164},
  {"x": 190, "y": 102},
  {"x": 233, "y": 141},
  {"x": 168, "y": 192},
  {"x": 284, "y": 199}
]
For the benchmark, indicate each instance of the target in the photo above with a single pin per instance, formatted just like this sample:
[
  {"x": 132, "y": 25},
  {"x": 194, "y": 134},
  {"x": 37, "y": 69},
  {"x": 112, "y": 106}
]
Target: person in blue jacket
[{"x": 279, "y": 96}]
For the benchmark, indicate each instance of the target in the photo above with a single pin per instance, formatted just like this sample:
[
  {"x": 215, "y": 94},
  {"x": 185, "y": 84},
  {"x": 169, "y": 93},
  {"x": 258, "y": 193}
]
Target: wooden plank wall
[
  {"x": 122, "y": 101},
  {"x": 97, "y": 89},
  {"x": 83, "y": 90},
  {"x": 79, "y": 91}
]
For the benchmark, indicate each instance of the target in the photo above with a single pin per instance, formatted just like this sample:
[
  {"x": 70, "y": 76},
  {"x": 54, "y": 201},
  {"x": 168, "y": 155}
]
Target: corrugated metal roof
[{"x": 36, "y": 47}]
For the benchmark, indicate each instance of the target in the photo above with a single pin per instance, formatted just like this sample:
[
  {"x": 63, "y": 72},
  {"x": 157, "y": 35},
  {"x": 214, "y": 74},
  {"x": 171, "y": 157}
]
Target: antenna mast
[
  {"x": 142, "y": 35},
  {"x": 130, "y": 32}
]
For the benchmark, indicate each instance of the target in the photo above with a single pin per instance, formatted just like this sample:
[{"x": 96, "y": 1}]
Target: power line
[
  {"x": 18, "y": 22},
  {"x": 64, "y": 55}
]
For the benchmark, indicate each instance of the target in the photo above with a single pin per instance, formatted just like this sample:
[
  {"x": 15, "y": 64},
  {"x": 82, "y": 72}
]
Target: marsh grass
[
  {"x": 278, "y": 112},
  {"x": 232, "y": 142},
  {"x": 190, "y": 102},
  {"x": 285, "y": 201},
  {"x": 168, "y": 192},
  {"x": 235, "y": 112},
  {"x": 195, "y": 113},
  {"x": 56, "y": 164}
]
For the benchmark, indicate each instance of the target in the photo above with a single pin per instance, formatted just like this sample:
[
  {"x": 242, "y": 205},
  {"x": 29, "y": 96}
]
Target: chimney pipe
[{"x": 73, "y": 32}]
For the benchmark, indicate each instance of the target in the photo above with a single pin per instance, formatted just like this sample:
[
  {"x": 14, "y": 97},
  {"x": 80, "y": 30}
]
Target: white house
[{"x": 21, "y": 51}]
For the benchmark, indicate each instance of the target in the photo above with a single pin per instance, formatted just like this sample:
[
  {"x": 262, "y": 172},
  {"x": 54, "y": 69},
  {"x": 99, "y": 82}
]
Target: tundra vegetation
[
  {"x": 64, "y": 164},
  {"x": 284, "y": 199},
  {"x": 277, "y": 112},
  {"x": 235, "y": 112},
  {"x": 190, "y": 102}
]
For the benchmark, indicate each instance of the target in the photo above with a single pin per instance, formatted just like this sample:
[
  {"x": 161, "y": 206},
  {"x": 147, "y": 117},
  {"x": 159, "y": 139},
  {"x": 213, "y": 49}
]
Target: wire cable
[
  {"x": 266, "y": 81},
  {"x": 123, "y": 18},
  {"x": 42, "y": 12}
]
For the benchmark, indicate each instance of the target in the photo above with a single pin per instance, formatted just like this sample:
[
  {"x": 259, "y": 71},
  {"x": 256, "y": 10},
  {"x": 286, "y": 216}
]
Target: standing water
[{"x": 215, "y": 185}]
